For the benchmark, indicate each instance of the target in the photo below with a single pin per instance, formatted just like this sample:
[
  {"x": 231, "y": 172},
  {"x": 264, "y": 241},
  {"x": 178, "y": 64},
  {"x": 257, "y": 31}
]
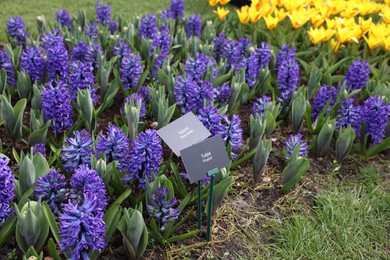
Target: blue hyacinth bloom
[
  {"x": 288, "y": 78},
  {"x": 232, "y": 133},
  {"x": 40, "y": 148},
  {"x": 177, "y": 9},
  {"x": 136, "y": 97},
  {"x": 32, "y": 61},
  {"x": 349, "y": 115},
  {"x": 292, "y": 142},
  {"x": 147, "y": 26},
  {"x": 17, "y": 31},
  {"x": 113, "y": 147},
  {"x": 222, "y": 94},
  {"x": 259, "y": 106},
  {"x": 357, "y": 75},
  {"x": 122, "y": 49},
  {"x": 285, "y": 53},
  {"x": 103, "y": 13},
  {"x": 57, "y": 63},
  {"x": 144, "y": 158},
  {"x": 161, "y": 209},
  {"x": 130, "y": 70},
  {"x": 324, "y": 94},
  {"x": 63, "y": 18},
  {"x": 77, "y": 150},
  {"x": 81, "y": 77},
  {"x": 83, "y": 53},
  {"x": 82, "y": 228},
  {"x": 219, "y": 46},
  {"x": 194, "y": 26},
  {"x": 52, "y": 190},
  {"x": 5, "y": 63},
  {"x": 211, "y": 118},
  {"x": 7, "y": 188},
  {"x": 92, "y": 31}
]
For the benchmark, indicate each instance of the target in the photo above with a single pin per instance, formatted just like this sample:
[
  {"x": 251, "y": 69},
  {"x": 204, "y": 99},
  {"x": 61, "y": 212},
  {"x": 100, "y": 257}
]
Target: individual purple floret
[
  {"x": 63, "y": 18},
  {"x": 288, "y": 77},
  {"x": 92, "y": 31},
  {"x": 147, "y": 26},
  {"x": 259, "y": 106},
  {"x": 7, "y": 188},
  {"x": 219, "y": 46},
  {"x": 376, "y": 115},
  {"x": 258, "y": 59},
  {"x": 57, "y": 63},
  {"x": 349, "y": 115},
  {"x": 82, "y": 52},
  {"x": 114, "y": 147},
  {"x": 130, "y": 70},
  {"x": 81, "y": 77},
  {"x": 177, "y": 9},
  {"x": 244, "y": 44},
  {"x": 136, "y": 97},
  {"x": 77, "y": 150},
  {"x": 122, "y": 49},
  {"x": 144, "y": 158},
  {"x": 5, "y": 63},
  {"x": 232, "y": 54},
  {"x": 285, "y": 53},
  {"x": 292, "y": 142},
  {"x": 103, "y": 13},
  {"x": 232, "y": 133},
  {"x": 194, "y": 26},
  {"x": 86, "y": 180},
  {"x": 52, "y": 190},
  {"x": 211, "y": 118},
  {"x": 17, "y": 31},
  {"x": 357, "y": 75},
  {"x": 161, "y": 209},
  {"x": 82, "y": 228},
  {"x": 40, "y": 148},
  {"x": 195, "y": 67},
  {"x": 222, "y": 94},
  {"x": 32, "y": 61},
  {"x": 324, "y": 94},
  {"x": 56, "y": 106}
]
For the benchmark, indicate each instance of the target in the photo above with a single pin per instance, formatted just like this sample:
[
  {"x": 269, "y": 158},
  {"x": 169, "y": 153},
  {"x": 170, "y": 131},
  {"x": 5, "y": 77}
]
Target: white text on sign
[{"x": 185, "y": 132}]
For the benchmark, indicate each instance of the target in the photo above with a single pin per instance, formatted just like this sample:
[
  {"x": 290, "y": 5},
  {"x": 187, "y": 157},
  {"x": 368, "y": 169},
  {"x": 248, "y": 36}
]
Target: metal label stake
[{"x": 212, "y": 174}]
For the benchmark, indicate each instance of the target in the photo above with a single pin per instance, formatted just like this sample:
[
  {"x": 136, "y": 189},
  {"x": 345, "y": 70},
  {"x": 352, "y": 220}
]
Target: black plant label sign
[
  {"x": 203, "y": 157},
  {"x": 183, "y": 132}
]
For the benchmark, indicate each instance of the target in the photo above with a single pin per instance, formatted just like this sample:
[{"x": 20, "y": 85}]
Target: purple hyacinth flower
[
  {"x": 81, "y": 77},
  {"x": 292, "y": 142},
  {"x": 17, "y": 31},
  {"x": 147, "y": 26},
  {"x": 349, "y": 115},
  {"x": 196, "y": 67},
  {"x": 63, "y": 18},
  {"x": 166, "y": 14},
  {"x": 232, "y": 133},
  {"x": 259, "y": 106},
  {"x": 258, "y": 59},
  {"x": 177, "y": 9},
  {"x": 92, "y": 31},
  {"x": 86, "y": 180},
  {"x": 82, "y": 228},
  {"x": 32, "y": 61},
  {"x": 288, "y": 78},
  {"x": 77, "y": 150},
  {"x": 144, "y": 158},
  {"x": 222, "y": 94},
  {"x": 5, "y": 63},
  {"x": 184, "y": 93},
  {"x": 82, "y": 52},
  {"x": 112, "y": 26},
  {"x": 161, "y": 42},
  {"x": 52, "y": 189},
  {"x": 357, "y": 75},
  {"x": 244, "y": 44},
  {"x": 136, "y": 97},
  {"x": 161, "y": 209},
  {"x": 204, "y": 92},
  {"x": 114, "y": 147},
  {"x": 56, "y": 106},
  {"x": 122, "y": 49},
  {"x": 145, "y": 93},
  {"x": 285, "y": 53},
  {"x": 194, "y": 26},
  {"x": 376, "y": 114},
  {"x": 219, "y": 46},
  {"x": 130, "y": 70},
  {"x": 211, "y": 119},
  {"x": 232, "y": 54},
  {"x": 321, "y": 98},
  {"x": 103, "y": 13},
  {"x": 7, "y": 188},
  {"x": 57, "y": 62},
  {"x": 40, "y": 148}
]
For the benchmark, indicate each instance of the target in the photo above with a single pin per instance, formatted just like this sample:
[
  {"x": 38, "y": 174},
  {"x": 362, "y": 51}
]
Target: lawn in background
[{"x": 30, "y": 9}]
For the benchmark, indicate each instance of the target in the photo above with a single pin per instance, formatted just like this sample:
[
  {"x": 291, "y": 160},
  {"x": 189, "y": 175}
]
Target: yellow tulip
[
  {"x": 365, "y": 25},
  {"x": 280, "y": 13},
  {"x": 292, "y": 5},
  {"x": 221, "y": 12},
  {"x": 328, "y": 34},
  {"x": 386, "y": 42},
  {"x": 213, "y": 2},
  {"x": 331, "y": 24},
  {"x": 243, "y": 15},
  {"x": 385, "y": 13},
  {"x": 271, "y": 21},
  {"x": 315, "y": 35},
  {"x": 350, "y": 11},
  {"x": 335, "y": 45},
  {"x": 317, "y": 20},
  {"x": 254, "y": 15},
  {"x": 346, "y": 35},
  {"x": 299, "y": 18},
  {"x": 224, "y": 2},
  {"x": 267, "y": 9},
  {"x": 373, "y": 41},
  {"x": 256, "y": 4}
]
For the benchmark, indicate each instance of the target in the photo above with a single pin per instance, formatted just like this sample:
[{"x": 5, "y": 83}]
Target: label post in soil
[{"x": 183, "y": 132}]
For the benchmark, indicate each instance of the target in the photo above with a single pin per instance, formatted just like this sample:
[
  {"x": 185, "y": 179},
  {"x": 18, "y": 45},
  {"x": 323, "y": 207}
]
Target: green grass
[
  {"x": 343, "y": 225},
  {"x": 30, "y": 9}
]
